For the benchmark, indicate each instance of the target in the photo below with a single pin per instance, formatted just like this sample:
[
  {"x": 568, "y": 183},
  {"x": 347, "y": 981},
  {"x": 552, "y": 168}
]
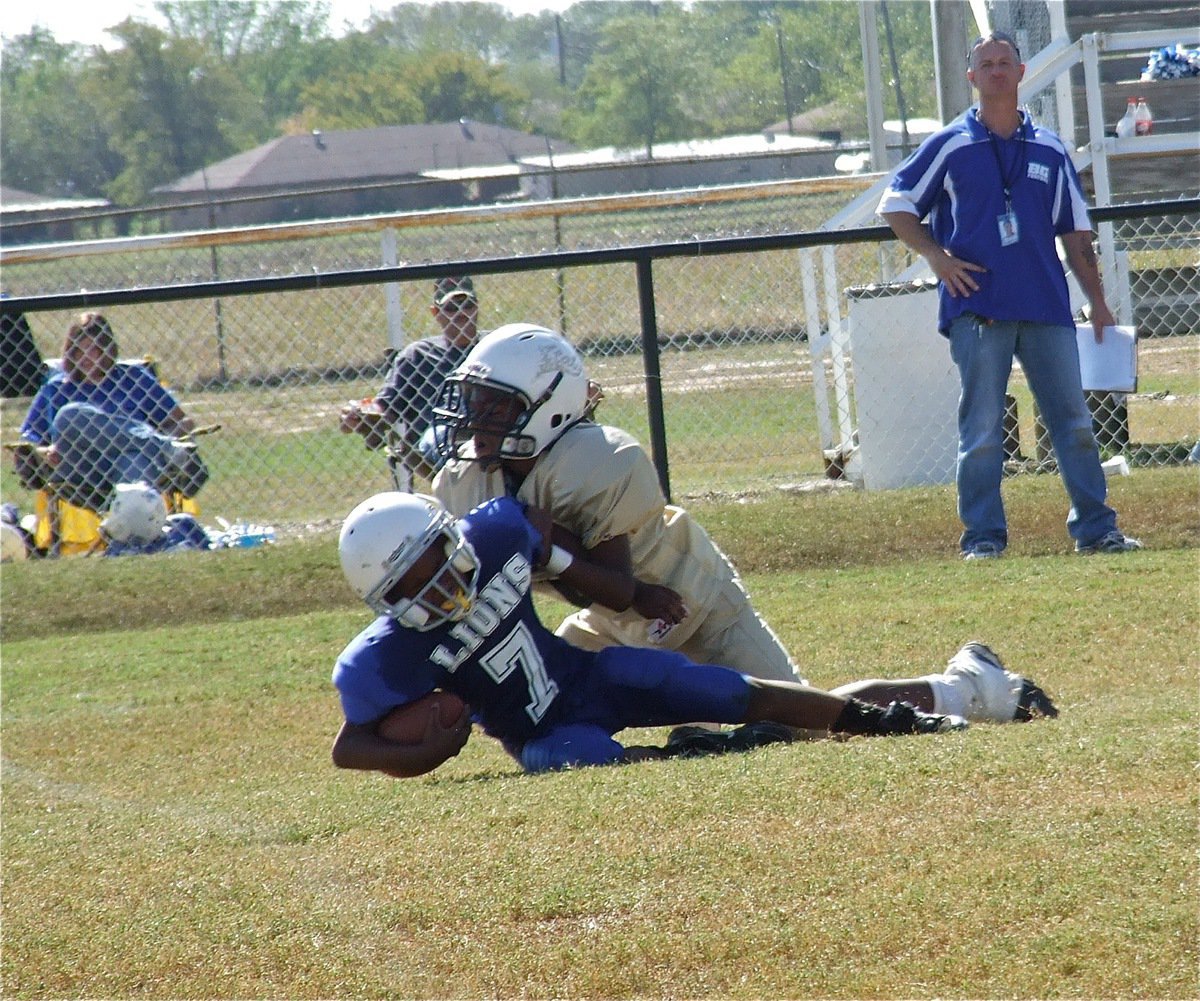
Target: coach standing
[{"x": 997, "y": 189}]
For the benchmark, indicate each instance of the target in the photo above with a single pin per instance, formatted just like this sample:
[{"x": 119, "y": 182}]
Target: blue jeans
[
  {"x": 1049, "y": 357},
  {"x": 100, "y": 450}
]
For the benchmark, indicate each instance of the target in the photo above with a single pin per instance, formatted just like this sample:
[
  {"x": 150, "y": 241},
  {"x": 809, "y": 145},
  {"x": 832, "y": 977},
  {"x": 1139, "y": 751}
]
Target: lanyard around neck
[{"x": 1006, "y": 181}]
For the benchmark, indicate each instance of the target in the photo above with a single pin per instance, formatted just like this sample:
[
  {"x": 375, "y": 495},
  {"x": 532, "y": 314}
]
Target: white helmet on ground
[
  {"x": 522, "y": 383},
  {"x": 137, "y": 514},
  {"x": 384, "y": 537}
]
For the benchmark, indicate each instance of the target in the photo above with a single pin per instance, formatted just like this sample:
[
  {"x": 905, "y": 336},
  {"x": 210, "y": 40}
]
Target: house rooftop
[
  {"x": 720, "y": 147},
  {"x": 359, "y": 155},
  {"x": 16, "y": 200}
]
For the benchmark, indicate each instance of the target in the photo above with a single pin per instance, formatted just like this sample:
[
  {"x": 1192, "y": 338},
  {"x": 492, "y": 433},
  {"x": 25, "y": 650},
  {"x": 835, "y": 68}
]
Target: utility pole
[
  {"x": 950, "y": 57},
  {"x": 901, "y": 107},
  {"x": 783, "y": 73},
  {"x": 562, "y": 55},
  {"x": 222, "y": 372},
  {"x": 869, "y": 34}
]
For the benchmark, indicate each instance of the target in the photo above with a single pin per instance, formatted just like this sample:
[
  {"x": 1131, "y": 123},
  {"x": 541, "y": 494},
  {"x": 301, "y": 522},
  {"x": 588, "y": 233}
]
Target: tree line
[{"x": 224, "y": 76}]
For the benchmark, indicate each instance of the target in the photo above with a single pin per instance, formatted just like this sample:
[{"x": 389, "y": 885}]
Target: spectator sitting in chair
[
  {"x": 95, "y": 424},
  {"x": 401, "y": 414}
]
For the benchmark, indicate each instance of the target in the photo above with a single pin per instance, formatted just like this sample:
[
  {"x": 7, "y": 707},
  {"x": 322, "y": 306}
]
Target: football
[{"x": 406, "y": 724}]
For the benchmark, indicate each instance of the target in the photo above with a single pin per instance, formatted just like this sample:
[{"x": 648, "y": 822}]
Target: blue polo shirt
[
  {"x": 127, "y": 390},
  {"x": 957, "y": 179}
]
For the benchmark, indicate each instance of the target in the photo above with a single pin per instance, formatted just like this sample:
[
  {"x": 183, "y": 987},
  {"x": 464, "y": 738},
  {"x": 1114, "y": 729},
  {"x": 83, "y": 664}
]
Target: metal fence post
[{"x": 650, "y": 364}]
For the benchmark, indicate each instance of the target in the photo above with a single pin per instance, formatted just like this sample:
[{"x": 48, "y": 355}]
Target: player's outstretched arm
[
  {"x": 604, "y": 573},
  {"x": 359, "y": 746}
]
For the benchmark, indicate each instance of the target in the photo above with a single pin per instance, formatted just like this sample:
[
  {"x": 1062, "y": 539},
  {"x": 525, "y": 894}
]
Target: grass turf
[{"x": 173, "y": 826}]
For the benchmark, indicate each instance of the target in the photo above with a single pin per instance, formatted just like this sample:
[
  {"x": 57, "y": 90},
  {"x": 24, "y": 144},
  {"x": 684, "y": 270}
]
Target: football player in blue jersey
[{"x": 455, "y": 613}]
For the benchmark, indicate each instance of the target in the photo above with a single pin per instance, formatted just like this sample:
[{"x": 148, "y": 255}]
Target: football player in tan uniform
[
  {"x": 598, "y": 483},
  {"x": 517, "y": 418}
]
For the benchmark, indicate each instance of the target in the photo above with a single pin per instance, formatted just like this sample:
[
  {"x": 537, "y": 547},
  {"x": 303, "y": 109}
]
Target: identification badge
[{"x": 1009, "y": 231}]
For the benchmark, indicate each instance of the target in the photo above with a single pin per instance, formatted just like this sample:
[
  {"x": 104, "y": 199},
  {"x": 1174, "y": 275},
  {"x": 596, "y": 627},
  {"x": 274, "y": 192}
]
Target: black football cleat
[
  {"x": 695, "y": 742},
  {"x": 904, "y": 717},
  {"x": 1033, "y": 702},
  {"x": 752, "y": 735}
]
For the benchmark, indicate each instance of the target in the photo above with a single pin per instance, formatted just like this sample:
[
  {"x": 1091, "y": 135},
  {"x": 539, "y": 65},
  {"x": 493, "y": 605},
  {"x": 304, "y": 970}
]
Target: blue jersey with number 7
[
  {"x": 499, "y": 659},
  {"x": 524, "y": 684}
]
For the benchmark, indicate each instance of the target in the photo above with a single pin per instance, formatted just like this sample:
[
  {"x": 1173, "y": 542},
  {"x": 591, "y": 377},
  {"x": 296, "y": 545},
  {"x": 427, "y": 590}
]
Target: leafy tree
[
  {"x": 912, "y": 31},
  {"x": 547, "y": 101},
  {"x": 478, "y": 29},
  {"x": 582, "y": 33},
  {"x": 358, "y": 101},
  {"x": 451, "y": 86},
  {"x": 533, "y": 40},
  {"x": 408, "y": 89},
  {"x": 51, "y": 142},
  {"x": 833, "y": 52},
  {"x": 642, "y": 87},
  {"x": 224, "y": 27},
  {"x": 721, "y": 28},
  {"x": 168, "y": 107},
  {"x": 748, "y": 93},
  {"x": 277, "y": 48},
  {"x": 482, "y": 30}
]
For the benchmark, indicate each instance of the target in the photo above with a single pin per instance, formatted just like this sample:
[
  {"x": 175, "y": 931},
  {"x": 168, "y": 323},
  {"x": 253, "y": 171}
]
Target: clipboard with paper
[{"x": 1111, "y": 365}]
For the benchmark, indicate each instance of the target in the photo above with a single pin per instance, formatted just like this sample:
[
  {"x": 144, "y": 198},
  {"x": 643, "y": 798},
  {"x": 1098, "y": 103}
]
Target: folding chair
[
  {"x": 404, "y": 461},
  {"x": 68, "y": 529}
]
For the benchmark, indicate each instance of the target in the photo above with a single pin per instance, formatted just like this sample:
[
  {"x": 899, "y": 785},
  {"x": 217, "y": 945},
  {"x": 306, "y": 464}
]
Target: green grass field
[{"x": 173, "y": 828}]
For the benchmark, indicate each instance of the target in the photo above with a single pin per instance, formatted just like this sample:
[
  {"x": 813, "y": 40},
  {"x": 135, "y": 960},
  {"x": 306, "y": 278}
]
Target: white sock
[{"x": 950, "y": 697}]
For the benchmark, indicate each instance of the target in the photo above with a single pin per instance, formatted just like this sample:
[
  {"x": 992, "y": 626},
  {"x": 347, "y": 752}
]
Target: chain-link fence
[
  {"x": 771, "y": 375},
  {"x": 897, "y": 373}
]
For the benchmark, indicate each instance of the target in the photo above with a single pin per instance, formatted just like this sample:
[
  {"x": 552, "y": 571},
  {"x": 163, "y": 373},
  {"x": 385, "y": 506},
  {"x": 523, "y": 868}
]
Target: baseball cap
[{"x": 450, "y": 287}]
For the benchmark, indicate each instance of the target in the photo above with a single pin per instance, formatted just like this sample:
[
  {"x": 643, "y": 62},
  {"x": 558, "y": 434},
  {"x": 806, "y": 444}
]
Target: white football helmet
[
  {"x": 538, "y": 389},
  {"x": 382, "y": 539},
  {"x": 137, "y": 514}
]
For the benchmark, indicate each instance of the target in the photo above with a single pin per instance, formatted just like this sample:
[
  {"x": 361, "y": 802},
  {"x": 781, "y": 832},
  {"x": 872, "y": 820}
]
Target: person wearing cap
[
  {"x": 400, "y": 416},
  {"x": 997, "y": 190}
]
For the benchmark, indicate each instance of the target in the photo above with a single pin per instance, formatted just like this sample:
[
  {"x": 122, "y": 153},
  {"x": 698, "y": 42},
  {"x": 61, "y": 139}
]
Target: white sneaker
[{"x": 993, "y": 693}]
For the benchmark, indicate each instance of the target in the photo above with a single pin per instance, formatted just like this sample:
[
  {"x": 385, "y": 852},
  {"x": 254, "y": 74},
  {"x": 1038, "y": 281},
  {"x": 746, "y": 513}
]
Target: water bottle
[
  {"x": 1127, "y": 126},
  {"x": 246, "y": 536},
  {"x": 1143, "y": 120},
  {"x": 255, "y": 535}
]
